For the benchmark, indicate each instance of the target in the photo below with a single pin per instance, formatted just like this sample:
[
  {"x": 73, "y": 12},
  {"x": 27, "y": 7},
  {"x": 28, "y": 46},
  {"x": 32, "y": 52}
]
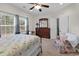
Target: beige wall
[
  {"x": 11, "y": 9},
  {"x": 72, "y": 11},
  {"x": 52, "y": 24}
]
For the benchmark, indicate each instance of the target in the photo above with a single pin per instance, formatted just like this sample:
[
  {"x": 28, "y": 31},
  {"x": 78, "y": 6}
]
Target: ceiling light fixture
[
  {"x": 61, "y": 3},
  {"x": 37, "y": 7},
  {"x": 31, "y": 10}
]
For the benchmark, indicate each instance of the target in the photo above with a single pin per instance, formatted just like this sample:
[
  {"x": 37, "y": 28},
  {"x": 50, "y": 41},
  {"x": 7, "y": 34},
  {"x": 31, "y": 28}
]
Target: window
[
  {"x": 22, "y": 24},
  {"x": 6, "y": 24}
]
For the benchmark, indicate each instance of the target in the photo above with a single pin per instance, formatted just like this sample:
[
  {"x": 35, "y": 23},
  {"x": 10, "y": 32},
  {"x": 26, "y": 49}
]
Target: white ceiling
[{"x": 52, "y": 9}]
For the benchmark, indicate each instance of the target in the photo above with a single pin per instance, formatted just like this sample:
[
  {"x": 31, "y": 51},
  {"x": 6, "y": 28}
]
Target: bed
[
  {"x": 20, "y": 45},
  {"x": 68, "y": 43}
]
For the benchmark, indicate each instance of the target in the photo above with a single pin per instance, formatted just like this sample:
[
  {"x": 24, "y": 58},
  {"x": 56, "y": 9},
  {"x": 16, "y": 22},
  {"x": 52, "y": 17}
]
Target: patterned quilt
[{"x": 16, "y": 44}]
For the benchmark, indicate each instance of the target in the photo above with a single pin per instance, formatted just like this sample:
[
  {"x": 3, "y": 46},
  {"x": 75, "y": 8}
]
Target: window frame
[
  {"x": 2, "y": 13},
  {"x": 24, "y": 25},
  {"x": 6, "y": 25}
]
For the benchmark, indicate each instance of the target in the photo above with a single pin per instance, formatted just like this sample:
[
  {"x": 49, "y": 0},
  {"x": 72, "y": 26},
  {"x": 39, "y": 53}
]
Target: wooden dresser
[{"x": 43, "y": 32}]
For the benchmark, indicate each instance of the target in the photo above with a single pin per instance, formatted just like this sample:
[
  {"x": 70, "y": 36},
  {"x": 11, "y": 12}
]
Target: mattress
[
  {"x": 17, "y": 44},
  {"x": 73, "y": 39},
  {"x": 71, "y": 42}
]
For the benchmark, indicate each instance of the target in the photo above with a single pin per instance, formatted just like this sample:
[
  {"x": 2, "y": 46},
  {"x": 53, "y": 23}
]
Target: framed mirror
[{"x": 43, "y": 22}]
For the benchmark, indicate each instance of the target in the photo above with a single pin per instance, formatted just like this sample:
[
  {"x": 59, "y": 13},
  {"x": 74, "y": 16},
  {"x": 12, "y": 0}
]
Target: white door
[{"x": 63, "y": 25}]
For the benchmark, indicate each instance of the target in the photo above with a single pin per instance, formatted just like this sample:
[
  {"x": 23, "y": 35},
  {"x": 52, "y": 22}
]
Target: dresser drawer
[{"x": 43, "y": 32}]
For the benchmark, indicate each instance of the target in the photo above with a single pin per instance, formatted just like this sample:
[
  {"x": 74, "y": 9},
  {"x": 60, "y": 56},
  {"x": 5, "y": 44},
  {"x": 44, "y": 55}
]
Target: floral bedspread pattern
[{"x": 16, "y": 44}]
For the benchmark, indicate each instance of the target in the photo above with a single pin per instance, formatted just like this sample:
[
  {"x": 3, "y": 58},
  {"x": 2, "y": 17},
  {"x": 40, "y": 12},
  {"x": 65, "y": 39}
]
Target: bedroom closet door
[{"x": 63, "y": 25}]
